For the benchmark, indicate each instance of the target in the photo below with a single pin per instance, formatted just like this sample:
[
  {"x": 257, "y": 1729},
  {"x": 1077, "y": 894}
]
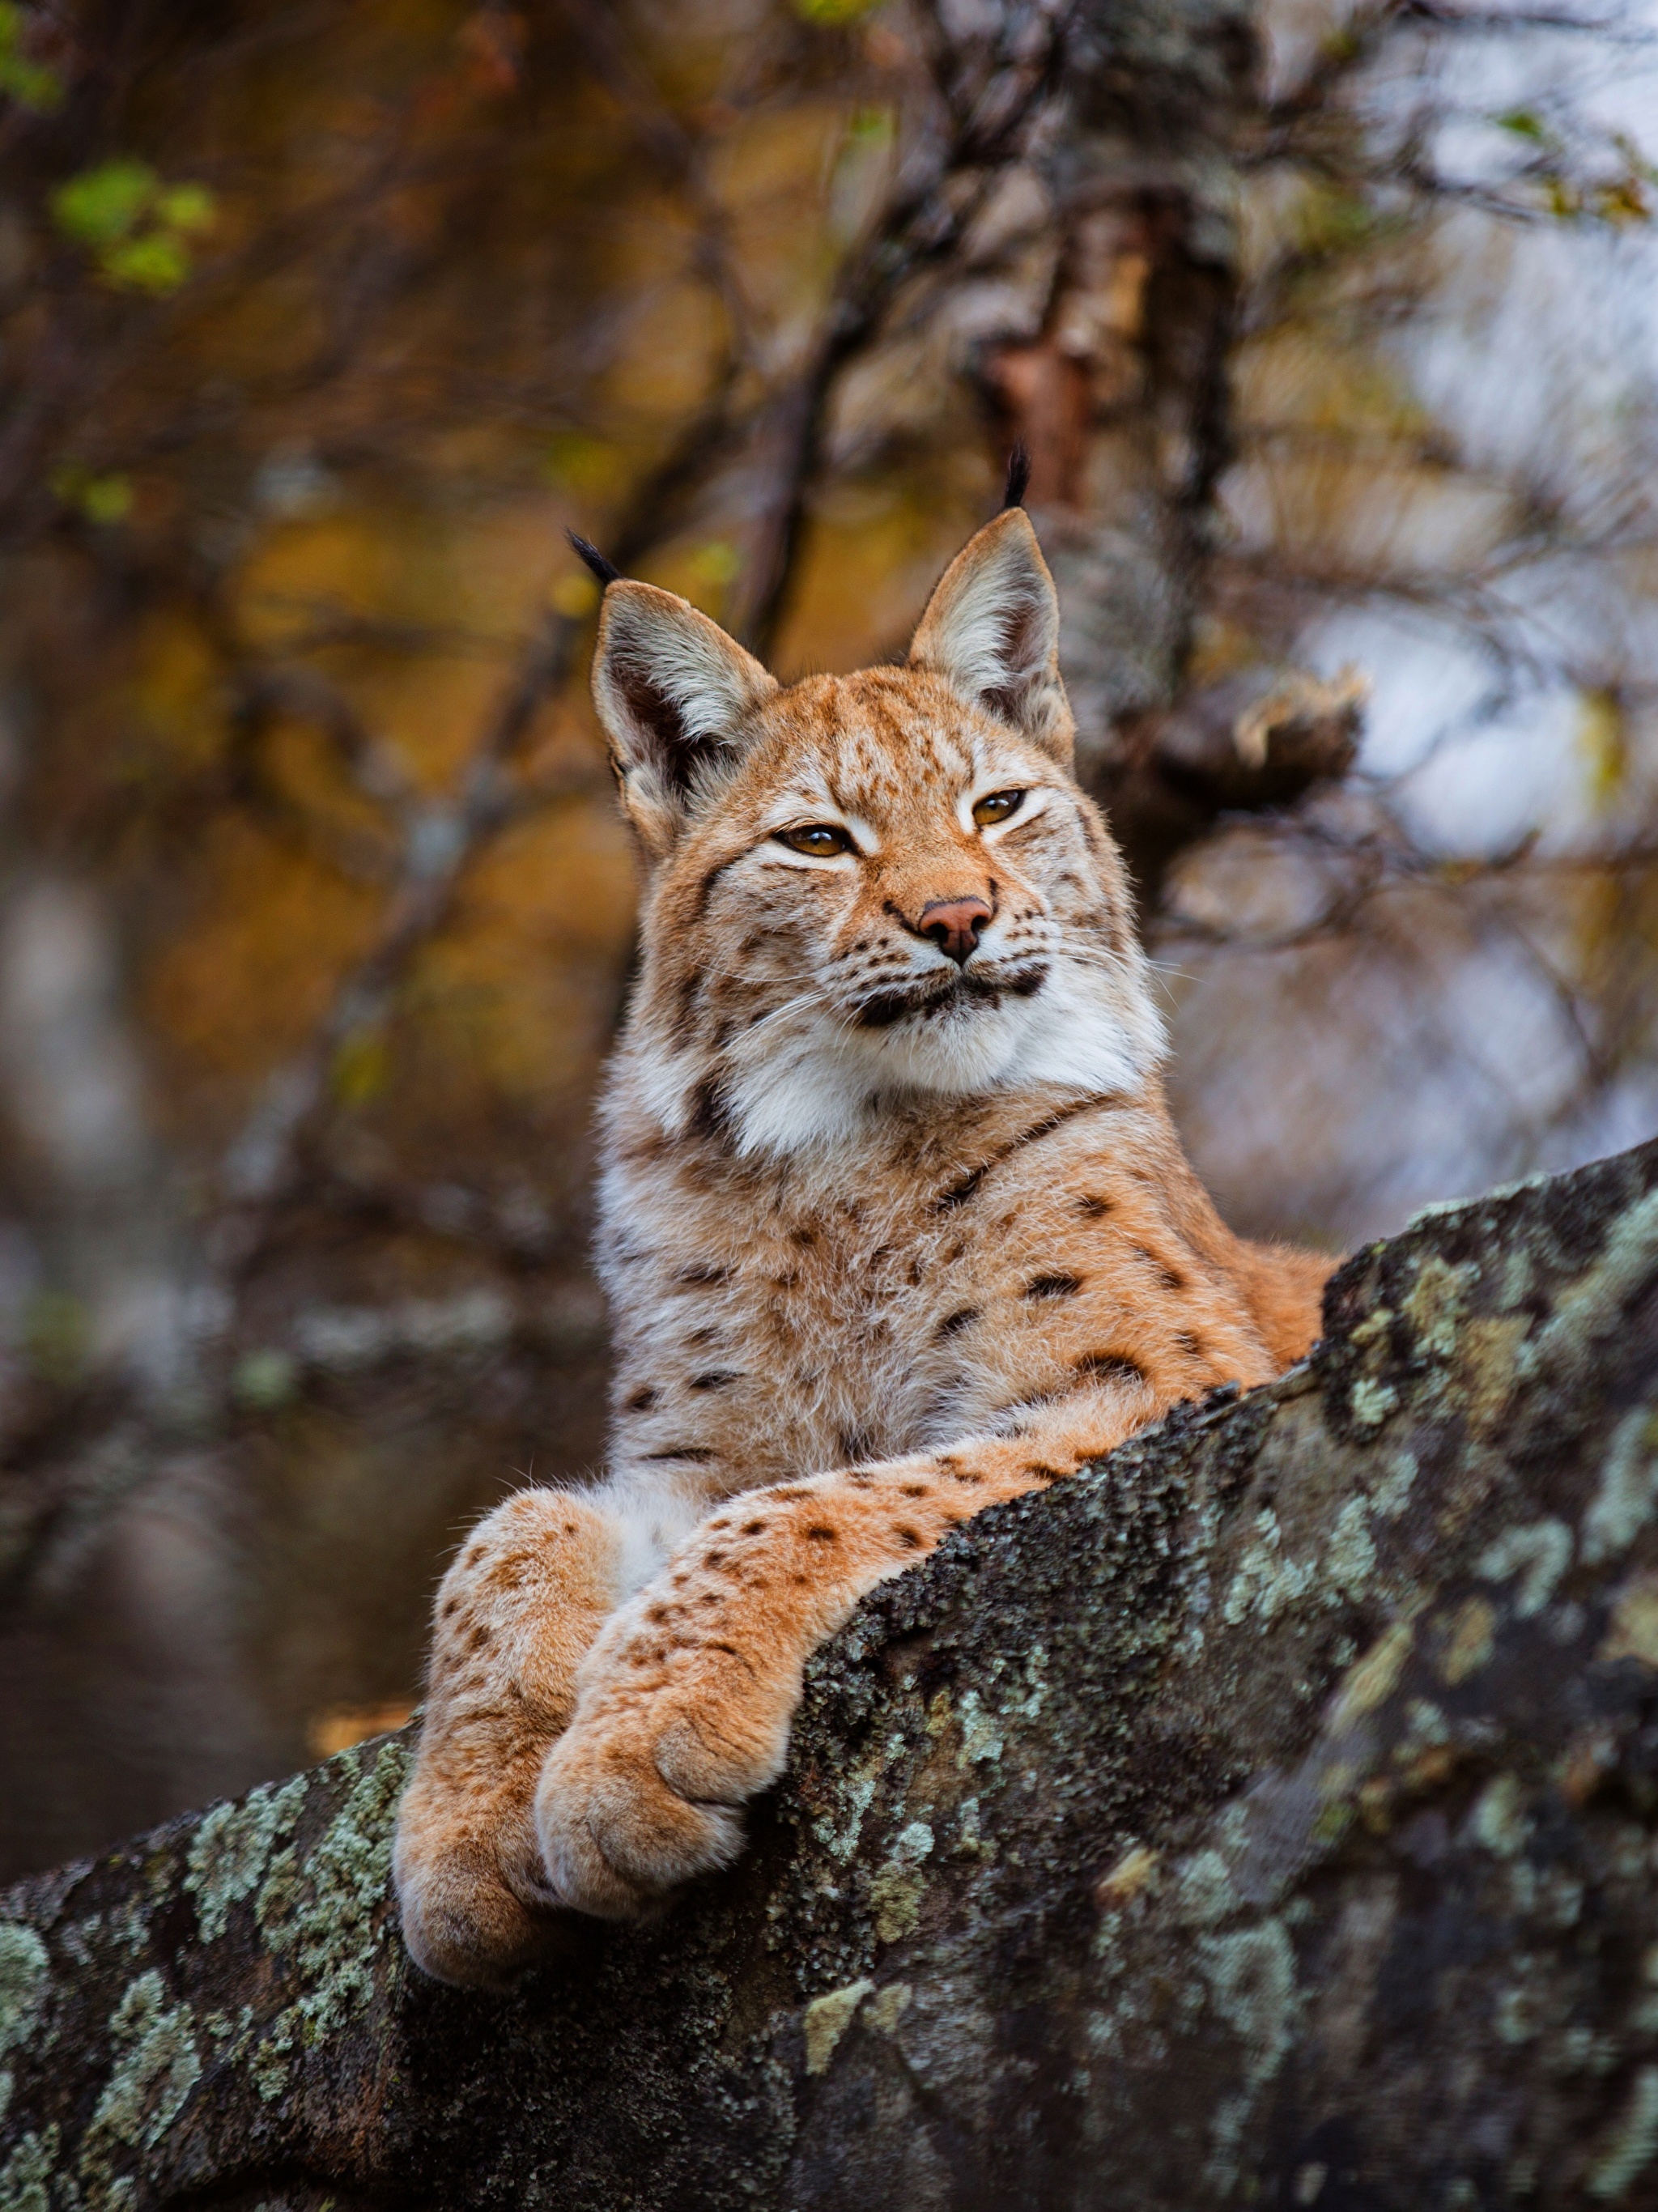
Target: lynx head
[{"x": 865, "y": 889}]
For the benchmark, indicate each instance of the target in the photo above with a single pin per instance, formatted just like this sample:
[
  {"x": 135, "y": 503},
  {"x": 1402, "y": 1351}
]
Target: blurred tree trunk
[{"x": 1267, "y": 1817}]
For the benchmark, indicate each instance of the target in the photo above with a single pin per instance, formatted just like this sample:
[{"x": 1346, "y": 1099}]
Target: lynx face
[{"x": 870, "y": 889}]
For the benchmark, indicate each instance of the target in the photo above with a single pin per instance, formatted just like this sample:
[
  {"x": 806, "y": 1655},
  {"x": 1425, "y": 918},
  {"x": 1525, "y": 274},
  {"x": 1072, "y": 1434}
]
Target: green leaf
[
  {"x": 186, "y": 208},
  {"x": 103, "y": 205},
  {"x": 1523, "y": 124},
  {"x": 103, "y": 500},
  {"x": 833, "y": 11},
  {"x": 154, "y": 263},
  {"x": 31, "y": 84}
]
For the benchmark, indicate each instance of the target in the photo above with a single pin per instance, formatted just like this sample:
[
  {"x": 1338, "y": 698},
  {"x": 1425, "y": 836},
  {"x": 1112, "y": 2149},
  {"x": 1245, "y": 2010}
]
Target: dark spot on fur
[
  {"x": 957, "y": 1193},
  {"x": 819, "y": 1534},
  {"x": 640, "y": 1400},
  {"x": 1053, "y": 1286},
  {"x": 1045, "y": 1474},
  {"x": 708, "y": 1117},
  {"x": 909, "y": 1538},
  {"x": 713, "y": 1558},
  {"x": 1092, "y": 1208},
  {"x": 952, "y": 1324},
  {"x": 854, "y": 1445},
  {"x": 916, "y": 1490},
  {"x": 715, "y": 1378},
  {"x": 1190, "y": 1345},
  {"x": 804, "y": 1237},
  {"x": 1110, "y": 1367},
  {"x": 1171, "y": 1278},
  {"x": 703, "y": 1276},
  {"x": 753, "y": 1527},
  {"x": 684, "y": 1451},
  {"x": 705, "y": 890}
]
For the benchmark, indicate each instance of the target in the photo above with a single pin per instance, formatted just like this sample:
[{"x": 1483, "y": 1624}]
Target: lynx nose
[{"x": 954, "y": 926}]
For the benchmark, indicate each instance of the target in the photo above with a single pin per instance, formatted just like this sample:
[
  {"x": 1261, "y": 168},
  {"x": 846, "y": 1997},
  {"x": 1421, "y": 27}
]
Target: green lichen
[
  {"x": 1375, "y": 1677},
  {"x": 895, "y": 1894},
  {"x": 827, "y": 2019},
  {"x": 888, "y": 2006},
  {"x": 1203, "y": 1890},
  {"x": 1538, "y": 1553},
  {"x": 1252, "y": 1985},
  {"x": 1390, "y": 1496},
  {"x": 26, "y": 2176},
  {"x": 981, "y": 1737},
  {"x": 1595, "y": 1305},
  {"x": 156, "y": 2066},
  {"x": 1266, "y": 1582},
  {"x": 1371, "y": 1401},
  {"x": 24, "y": 1967},
  {"x": 1628, "y": 1490},
  {"x": 231, "y": 1848},
  {"x": 1437, "y": 1302},
  {"x": 324, "y": 1919},
  {"x": 1350, "y": 1560},
  {"x": 1498, "y": 1819},
  {"x": 839, "y": 1837},
  {"x": 1469, "y": 1635},
  {"x": 1629, "y": 2150}
]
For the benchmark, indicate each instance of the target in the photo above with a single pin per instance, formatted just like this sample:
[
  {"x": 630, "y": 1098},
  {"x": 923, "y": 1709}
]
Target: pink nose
[{"x": 954, "y": 926}]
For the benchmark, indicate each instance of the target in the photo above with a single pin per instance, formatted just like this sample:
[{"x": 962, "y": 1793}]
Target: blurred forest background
[{"x": 1332, "y": 332}]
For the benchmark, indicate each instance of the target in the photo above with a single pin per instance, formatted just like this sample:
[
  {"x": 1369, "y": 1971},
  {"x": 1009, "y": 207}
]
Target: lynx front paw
[
  {"x": 642, "y": 1792},
  {"x": 475, "y": 1910}
]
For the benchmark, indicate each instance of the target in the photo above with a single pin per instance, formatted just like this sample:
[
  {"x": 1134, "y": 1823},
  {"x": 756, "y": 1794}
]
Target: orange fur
[{"x": 892, "y": 1228}]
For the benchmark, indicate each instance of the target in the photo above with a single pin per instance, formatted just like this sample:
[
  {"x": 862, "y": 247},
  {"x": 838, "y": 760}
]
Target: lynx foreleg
[
  {"x": 685, "y": 1699},
  {"x": 514, "y": 1617}
]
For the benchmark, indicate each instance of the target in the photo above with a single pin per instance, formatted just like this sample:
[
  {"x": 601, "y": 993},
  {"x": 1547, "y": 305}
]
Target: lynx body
[{"x": 895, "y": 1225}]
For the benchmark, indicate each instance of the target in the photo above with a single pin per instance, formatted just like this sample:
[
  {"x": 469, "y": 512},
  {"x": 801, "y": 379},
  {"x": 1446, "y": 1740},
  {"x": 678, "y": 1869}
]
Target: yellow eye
[
  {"x": 818, "y": 841},
  {"x": 997, "y": 806}
]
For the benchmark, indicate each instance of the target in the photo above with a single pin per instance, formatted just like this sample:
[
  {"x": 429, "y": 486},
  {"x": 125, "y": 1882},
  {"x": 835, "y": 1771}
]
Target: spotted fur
[{"x": 889, "y": 1233}]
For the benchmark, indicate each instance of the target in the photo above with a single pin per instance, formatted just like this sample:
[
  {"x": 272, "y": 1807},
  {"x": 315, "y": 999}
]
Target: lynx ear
[
  {"x": 992, "y": 630},
  {"x": 673, "y": 692}
]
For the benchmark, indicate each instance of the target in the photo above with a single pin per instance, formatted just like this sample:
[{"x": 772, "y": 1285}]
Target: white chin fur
[{"x": 1083, "y": 1031}]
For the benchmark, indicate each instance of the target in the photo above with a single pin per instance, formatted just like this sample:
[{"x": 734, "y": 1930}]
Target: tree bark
[{"x": 1268, "y": 1816}]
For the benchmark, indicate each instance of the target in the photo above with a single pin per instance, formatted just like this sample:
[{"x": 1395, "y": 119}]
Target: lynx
[{"x": 894, "y": 1224}]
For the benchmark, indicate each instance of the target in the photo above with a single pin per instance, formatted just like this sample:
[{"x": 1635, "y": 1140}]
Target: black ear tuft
[
  {"x": 606, "y": 571},
  {"x": 1018, "y": 476}
]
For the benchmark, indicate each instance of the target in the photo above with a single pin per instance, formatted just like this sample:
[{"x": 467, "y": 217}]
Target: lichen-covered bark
[{"x": 1270, "y": 1817}]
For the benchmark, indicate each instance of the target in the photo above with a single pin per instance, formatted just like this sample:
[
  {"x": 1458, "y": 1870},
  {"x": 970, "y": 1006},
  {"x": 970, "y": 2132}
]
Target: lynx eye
[
  {"x": 997, "y": 806},
  {"x": 818, "y": 841}
]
